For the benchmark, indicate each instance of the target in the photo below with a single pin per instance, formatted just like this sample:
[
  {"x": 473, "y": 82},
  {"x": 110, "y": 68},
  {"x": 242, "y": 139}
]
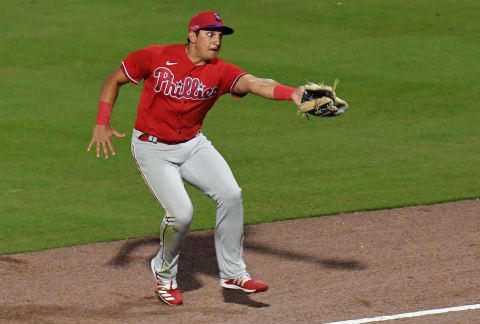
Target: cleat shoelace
[
  {"x": 166, "y": 284},
  {"x": 242, "y": 280}
]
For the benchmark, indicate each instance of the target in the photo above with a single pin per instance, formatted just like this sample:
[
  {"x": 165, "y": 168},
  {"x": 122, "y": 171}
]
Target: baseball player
[{"x": 181, "y": 82}]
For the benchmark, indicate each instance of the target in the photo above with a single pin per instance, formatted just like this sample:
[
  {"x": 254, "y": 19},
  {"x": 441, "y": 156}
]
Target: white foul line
[{"x": 408, "y": 315}]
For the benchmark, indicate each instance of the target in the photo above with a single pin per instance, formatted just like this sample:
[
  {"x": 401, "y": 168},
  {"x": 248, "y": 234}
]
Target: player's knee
[
  {"x": 183, "y": 216},
  {"x": 232, "y": 196}
]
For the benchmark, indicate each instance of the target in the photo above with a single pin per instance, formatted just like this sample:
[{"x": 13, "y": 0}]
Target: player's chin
[{"x": 213, "y": 54}]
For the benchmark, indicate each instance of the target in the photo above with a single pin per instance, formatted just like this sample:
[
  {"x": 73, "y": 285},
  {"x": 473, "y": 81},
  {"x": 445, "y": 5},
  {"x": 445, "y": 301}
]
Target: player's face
[{"x": 208, "y": 43}]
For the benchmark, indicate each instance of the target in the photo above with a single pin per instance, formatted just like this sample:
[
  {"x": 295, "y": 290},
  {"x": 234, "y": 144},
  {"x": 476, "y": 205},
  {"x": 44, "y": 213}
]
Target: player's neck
[{"x": 192, "y": 55}]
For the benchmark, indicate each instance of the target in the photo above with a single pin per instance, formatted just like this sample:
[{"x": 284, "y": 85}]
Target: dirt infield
[{"x": 320, "y": 270}]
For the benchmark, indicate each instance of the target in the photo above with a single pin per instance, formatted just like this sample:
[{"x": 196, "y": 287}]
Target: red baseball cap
[{"x": 208, "y": 20}]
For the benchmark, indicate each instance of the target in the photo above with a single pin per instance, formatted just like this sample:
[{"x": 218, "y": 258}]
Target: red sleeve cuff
[
  {"x": 236, "y": 95},
  {"x": 124, "y": 70}
]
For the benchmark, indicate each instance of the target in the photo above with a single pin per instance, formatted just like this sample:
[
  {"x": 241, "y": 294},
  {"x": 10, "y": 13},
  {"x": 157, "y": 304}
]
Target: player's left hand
[
  {"x": 102, "y": 136},
  {"x": 321, "y": 100},
  {"x": 297, "y": 95}
]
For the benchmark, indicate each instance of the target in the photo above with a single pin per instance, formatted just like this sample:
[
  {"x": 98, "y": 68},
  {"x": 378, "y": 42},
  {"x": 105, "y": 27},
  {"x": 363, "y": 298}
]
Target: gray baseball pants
[{"x": 164, "y": 168}]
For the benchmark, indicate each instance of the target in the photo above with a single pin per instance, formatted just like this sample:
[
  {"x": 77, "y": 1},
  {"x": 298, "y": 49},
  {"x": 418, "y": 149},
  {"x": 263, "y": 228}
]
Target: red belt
[{"x": 150, "y": 138}]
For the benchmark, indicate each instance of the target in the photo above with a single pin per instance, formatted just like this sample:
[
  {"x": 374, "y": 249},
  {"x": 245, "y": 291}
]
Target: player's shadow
[{"x": 198, "y": 257}]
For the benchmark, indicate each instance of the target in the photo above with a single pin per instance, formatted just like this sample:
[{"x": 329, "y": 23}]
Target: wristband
[
  {"x": 104, "y": 111},
  {"x": 281, "y": 92}
]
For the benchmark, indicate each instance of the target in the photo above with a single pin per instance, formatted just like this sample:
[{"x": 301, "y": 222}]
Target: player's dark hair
[{"x": 188, "y": 38}]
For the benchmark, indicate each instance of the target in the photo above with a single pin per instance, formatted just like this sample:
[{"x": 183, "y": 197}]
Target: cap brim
[{"x": 225, "y": 29}]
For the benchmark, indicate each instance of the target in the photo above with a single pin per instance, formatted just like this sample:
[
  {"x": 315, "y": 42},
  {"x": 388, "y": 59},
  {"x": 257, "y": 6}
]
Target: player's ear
[{"x": 192, "y": 37}]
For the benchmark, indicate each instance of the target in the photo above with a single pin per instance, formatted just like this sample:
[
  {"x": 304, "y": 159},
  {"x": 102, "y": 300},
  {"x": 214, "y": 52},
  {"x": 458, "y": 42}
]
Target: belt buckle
[{"x": 152, "y": 139}]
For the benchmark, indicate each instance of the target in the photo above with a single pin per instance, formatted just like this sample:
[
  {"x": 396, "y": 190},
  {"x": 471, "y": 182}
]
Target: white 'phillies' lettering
[{"x": 188, "y": 88}]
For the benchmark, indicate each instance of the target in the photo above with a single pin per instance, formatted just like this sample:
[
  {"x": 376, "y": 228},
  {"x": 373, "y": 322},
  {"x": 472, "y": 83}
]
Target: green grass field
[{"x": 408, "y": 69}]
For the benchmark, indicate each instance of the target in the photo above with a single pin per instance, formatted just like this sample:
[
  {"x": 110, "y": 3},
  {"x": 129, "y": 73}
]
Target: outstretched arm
[
  {"x": 267, "y": 88},
  {"x": 103, "y": 132}
]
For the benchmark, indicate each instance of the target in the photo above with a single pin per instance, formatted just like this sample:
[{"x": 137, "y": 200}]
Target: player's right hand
[{"x": 102, "y": 136}]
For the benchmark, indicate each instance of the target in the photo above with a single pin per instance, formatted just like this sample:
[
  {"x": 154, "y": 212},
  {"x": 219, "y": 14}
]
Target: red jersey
[{"x": 177, "y": 94}]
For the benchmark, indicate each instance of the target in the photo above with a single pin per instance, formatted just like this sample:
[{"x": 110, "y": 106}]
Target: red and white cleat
[
  {"x": 167, "y": 289},
  {"x": 245, "y": 283}
]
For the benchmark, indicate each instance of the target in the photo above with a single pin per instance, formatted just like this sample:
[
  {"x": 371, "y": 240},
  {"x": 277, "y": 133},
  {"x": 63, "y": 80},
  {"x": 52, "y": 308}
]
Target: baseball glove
[{"x": 321, "y": 101}]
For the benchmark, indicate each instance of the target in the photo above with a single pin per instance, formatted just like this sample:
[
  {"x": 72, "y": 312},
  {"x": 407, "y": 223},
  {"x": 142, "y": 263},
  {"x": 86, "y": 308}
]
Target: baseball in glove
[{"x": 320, "y": 100}]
